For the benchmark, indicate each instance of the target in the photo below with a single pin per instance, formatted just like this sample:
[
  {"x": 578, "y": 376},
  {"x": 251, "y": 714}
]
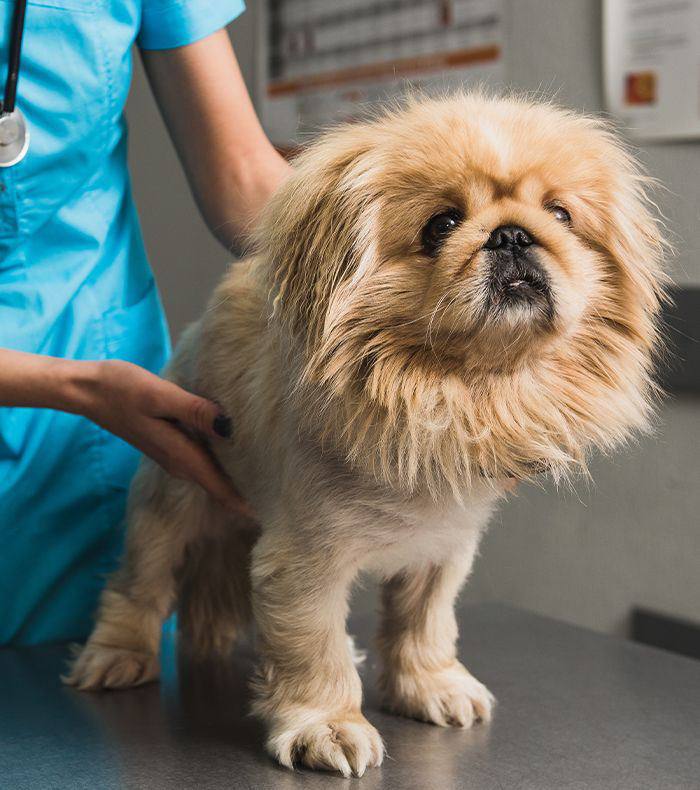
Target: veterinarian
[{"x": 82, "y": 330}]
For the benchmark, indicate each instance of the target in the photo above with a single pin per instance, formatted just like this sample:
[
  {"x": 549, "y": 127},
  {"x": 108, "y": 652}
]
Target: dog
[{"x": 452, "y": 295}]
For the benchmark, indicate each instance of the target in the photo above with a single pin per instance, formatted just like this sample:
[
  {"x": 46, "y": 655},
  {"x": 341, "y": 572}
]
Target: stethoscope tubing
[{"x": 10, "y": 97}]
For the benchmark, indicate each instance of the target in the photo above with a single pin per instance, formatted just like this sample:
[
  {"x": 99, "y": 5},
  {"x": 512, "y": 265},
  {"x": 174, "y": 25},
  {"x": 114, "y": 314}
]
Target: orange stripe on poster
[{"x": 390, "y": 68}]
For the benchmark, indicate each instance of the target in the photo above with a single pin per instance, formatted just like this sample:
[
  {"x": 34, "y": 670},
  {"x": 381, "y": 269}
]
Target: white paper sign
[
  {"x": 329, "y": 60},
  {"x": 652, "y": 66}
]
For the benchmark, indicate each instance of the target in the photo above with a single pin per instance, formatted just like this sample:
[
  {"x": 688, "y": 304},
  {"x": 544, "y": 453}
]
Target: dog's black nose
[{"x": 508, "y": 236}]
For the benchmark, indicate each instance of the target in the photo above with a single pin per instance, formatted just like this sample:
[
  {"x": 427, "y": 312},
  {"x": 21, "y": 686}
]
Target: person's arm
[
  {"x": 140, "y": 407},
  {"x": 231, "y": 166}
]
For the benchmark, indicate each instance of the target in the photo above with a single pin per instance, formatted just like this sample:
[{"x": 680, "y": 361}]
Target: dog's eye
[
  {"x": 559, "y": 213},
  {"x": 438, "y": 228}
]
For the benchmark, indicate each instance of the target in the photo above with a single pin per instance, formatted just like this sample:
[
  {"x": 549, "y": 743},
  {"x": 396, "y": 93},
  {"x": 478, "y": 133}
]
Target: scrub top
[{"x": 74, "y": 283}]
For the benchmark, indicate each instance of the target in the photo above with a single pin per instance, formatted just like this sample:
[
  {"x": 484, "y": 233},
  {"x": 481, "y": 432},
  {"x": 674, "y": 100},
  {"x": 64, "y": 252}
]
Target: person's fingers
[
  {"x": 184, "y": 458},
  {"x": 194, "y": 412}
]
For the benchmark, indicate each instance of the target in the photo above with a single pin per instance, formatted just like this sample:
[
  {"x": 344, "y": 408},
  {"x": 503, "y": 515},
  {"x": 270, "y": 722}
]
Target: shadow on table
[{"x": 190, "y": 730}]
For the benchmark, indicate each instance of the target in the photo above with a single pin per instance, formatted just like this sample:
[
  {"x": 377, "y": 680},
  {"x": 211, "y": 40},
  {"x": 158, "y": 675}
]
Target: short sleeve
[{"x": 174, "y": 23}]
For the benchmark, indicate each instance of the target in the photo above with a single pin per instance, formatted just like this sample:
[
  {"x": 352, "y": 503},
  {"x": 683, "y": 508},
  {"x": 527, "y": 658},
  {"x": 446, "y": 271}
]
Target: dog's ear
[
  {"x": 309, "y": 233},
  {"x": 636, "y": 244}
]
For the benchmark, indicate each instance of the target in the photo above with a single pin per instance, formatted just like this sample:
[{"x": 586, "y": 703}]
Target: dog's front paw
[
  {"x": 98, "y": 666},
  {"x": 347, "y": 743},
  {"x": 450, "y": 697}
]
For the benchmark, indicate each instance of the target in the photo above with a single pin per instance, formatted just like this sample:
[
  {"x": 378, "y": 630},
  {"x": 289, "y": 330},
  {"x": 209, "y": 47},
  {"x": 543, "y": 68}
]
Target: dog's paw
[
  {"x": 450, "y": 697},
  {"x": 98, "y": 666},
  {"x": 347, "y": 743}
]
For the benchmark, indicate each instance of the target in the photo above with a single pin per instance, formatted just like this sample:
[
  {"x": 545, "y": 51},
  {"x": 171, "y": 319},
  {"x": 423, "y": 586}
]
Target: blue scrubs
[{"x": 74, "y": 282}]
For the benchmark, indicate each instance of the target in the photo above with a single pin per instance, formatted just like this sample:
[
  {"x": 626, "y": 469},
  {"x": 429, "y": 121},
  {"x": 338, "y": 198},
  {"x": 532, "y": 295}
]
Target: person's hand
[
  {"x": 156, "y": 416},
  {"x": 160, "y": 419}
]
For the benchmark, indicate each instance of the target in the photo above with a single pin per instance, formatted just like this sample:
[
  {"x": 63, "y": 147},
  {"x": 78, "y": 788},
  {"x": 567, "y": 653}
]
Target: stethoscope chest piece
[
  {"x": 14, "y": 138},
  {"x": 14, "y": 135}
]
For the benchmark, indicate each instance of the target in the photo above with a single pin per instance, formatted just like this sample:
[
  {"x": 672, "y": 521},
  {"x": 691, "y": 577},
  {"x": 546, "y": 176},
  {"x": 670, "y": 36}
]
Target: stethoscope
[{"x": 14, "y": 135}]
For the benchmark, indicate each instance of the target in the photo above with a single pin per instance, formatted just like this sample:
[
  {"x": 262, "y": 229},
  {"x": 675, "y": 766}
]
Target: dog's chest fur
[
  {"x": 290, "y": 475},
  {"x": 420, "y": 532}
]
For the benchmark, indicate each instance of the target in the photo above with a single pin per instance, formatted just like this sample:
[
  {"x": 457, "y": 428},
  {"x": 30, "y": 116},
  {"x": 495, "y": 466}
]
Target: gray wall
[{"x": 631, "y": 538}]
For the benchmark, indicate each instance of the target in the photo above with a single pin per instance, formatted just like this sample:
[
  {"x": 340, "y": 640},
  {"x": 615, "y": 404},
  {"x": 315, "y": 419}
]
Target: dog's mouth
[
  {"x": 517, "y": 282},
  {"x": 527, "y": 287}
]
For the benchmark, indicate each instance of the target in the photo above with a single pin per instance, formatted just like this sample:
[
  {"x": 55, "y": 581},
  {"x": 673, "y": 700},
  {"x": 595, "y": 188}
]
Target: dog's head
[{"x": 472, "y": 284}]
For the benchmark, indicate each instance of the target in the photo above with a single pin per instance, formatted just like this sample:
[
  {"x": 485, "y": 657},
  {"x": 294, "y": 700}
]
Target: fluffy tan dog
[{"x": 455, "y": 294}]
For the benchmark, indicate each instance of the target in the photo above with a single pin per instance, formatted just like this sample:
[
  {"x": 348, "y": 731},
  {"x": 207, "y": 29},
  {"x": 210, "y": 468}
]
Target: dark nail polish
[{"x": 223, "y": 425}]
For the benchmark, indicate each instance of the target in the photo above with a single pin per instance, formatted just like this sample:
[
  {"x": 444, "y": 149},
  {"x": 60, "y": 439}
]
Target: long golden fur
[{"x": 392, "y": 358}]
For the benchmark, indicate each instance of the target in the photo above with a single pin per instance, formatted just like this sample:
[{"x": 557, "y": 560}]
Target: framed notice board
[{"x": 325, "y": 61}]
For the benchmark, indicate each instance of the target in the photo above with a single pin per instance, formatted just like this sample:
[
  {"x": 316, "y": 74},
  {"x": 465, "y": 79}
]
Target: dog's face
[
  {"x": 485, "y": 227},
  {"x": 482, "y": 267}
]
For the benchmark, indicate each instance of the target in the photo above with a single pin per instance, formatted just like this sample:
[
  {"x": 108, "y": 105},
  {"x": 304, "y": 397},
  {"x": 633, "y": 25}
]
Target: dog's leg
[
  {"x": 421, "y": 675},
  {"x": 214, "y": 608},
  {"x": 308, "y": 691},
  {"x": 164, "y": 515}
]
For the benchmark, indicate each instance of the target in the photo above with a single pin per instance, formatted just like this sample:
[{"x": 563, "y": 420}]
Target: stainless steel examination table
[{"x": 576, "y": 710}]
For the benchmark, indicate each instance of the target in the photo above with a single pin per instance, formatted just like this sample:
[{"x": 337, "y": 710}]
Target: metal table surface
[{"x": 576, "y": 710}]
